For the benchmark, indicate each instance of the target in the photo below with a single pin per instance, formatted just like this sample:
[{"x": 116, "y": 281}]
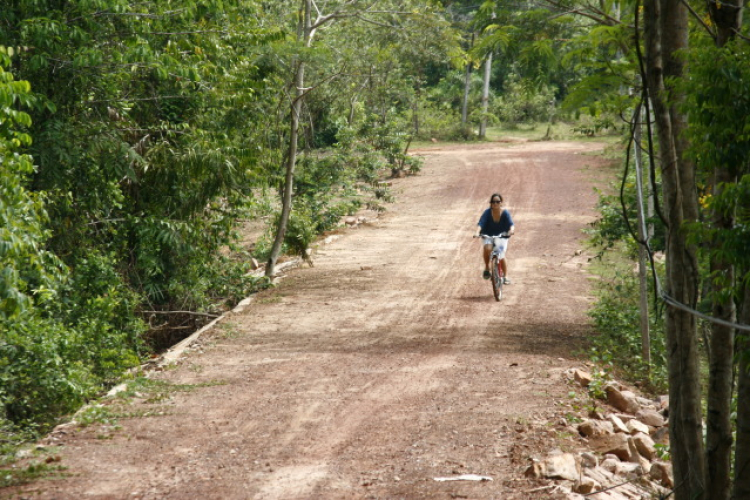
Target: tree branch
[
  {"x": 191, "y": 313},
  {"x": 377, "y": 23},
  {"x": 698, "y": 18},
  {"x": 590, "y": 12},
  {"x": 98, "y": 101},
  {"x": 131, "y": 14}
]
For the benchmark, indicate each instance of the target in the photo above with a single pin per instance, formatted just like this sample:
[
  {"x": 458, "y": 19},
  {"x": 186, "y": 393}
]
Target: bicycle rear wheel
[{"x": 497, "y": 279}]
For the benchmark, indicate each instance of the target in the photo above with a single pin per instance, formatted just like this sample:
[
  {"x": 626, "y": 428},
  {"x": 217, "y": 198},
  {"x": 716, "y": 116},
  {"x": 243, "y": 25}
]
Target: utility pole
[{"x": 643, "y": 236}]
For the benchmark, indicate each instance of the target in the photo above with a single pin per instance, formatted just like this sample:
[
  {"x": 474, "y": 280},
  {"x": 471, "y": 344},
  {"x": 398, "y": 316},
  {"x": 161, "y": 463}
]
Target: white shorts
[{"x": 497, "y": 242}]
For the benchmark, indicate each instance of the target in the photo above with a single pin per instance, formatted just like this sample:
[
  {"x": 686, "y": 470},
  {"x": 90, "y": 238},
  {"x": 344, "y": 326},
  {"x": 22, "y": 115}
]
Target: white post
[{"x": 642, "y": 234}]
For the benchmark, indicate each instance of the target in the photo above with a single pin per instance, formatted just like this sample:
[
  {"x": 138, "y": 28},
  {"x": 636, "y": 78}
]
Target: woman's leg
[
  {"x": 504, "y": 267},
  {"x": 486, "y": 254}
]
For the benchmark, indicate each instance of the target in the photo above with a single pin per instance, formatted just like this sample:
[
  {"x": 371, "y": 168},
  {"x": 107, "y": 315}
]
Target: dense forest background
[{"x": 137, "y": 137}]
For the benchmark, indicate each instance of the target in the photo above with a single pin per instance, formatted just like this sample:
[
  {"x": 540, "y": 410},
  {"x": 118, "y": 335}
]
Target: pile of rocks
[{"x": 622, "y": 461}]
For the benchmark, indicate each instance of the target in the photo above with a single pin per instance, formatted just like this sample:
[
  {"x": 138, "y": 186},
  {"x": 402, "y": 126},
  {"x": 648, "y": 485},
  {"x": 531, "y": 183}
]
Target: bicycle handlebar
[{"x": 501, "y": 235}]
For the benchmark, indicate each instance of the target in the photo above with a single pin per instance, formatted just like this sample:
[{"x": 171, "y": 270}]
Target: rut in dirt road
[{"x": 387, "y": 365}]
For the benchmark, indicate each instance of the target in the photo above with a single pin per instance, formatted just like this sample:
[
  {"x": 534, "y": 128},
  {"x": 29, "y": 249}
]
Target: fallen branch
[{"x": 191, "y": 313}]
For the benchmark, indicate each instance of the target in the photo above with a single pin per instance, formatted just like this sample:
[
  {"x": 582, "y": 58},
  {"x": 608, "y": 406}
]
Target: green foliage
[
  {"x": 593, "y": 125},
  {"x": 300, "y": 232},
  {"x": 718, "y": 106},
  {"x": 439, "y": 121},
  {"x": 56, "y": 357},
  {"x": 26, "y": 269},
  {"x": 43, "y": 372},
  {"x": 134, "y": 158},
  {"x": 600, "y": 378},
  {"x": 142, "y": 183},
  {"x": 524, "y": 101},
  {"x": 611, "y": 229},
  {"x": 616, "y": 312},
  {"x": 25, "y": 475},
  {"x": 616, "y": 315}
]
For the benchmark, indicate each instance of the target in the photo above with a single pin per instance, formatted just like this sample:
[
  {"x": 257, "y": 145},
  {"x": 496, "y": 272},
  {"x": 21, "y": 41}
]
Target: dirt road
[{"x": 385, "y": 366}]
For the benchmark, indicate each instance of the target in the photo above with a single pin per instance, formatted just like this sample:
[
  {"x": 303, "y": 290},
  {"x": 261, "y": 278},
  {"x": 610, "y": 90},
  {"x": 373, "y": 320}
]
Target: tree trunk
[
  {"x": 742, "y": 450},
  {"x": 415, "y": 106},
  {"x": 727, "y": 18},
  {"x": 485, "y": 96},
  {"x": 296, "y": 109},
  {"x": 467, "y": 88},
  {"x": 721, "y": 364},
  {"x": 666, "y": 33}
]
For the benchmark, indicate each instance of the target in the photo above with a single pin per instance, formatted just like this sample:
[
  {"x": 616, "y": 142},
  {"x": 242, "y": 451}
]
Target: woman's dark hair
[{"x": 498, "y": 195}]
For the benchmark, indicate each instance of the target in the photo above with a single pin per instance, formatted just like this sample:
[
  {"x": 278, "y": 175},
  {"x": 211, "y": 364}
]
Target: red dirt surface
[{"x": 385, "y": 366}]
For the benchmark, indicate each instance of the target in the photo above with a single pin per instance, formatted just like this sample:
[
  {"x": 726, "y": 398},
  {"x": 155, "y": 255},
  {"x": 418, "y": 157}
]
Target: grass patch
[
  {"x": 145, "y": 390},
  {"x": 558, "y": 131},
  {"x": 617, "y": 349},
  {"x": 229, "y": 330},
  {"x": 25, "y": 475},
  {"x": 273, "y": 299},
  {"x": 155, "y": 391}
]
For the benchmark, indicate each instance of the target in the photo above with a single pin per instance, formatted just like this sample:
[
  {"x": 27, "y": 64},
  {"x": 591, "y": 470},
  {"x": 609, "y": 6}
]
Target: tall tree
[
  {"x": 727, "y": 18},
  {"x": 387, "y": 17},
  {"x": 742, "y": 455},
  {"x": 666, "y": 37}
]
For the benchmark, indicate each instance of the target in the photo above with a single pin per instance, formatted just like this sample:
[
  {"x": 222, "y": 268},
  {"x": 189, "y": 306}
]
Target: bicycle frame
[{"x": 499, "y": 247}]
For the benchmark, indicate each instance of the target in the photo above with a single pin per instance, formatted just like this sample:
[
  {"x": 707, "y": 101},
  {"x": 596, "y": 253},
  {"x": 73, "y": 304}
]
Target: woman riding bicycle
[{"x": 494, "y": 222}]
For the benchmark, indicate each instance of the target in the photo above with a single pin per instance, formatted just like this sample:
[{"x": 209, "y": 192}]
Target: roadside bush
[
  {"x": 616, "y": 313},
  {"x": 301, "y": 232},
  {"x": 523, "y": 101},
  {"x": 616, "y": 316},
  {"x": 597, "y": 124},
  {"x": 39, "y": 381},
  {"x": 62, "y": 352},
  {"x": 437, "y": 120}
]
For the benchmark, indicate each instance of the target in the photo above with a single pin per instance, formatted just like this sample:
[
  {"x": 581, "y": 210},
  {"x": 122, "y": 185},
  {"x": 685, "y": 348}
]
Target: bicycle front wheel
[{"x": 497, "y": 280}]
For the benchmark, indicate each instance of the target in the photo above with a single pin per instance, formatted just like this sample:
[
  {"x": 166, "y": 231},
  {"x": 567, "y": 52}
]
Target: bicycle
[{"x": 499, "y": 246}]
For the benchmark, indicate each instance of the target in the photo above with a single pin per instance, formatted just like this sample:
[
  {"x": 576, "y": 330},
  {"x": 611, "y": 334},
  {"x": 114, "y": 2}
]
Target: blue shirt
[{"x": 492, "y": 228}]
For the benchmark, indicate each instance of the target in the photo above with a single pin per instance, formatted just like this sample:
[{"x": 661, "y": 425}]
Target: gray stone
[
  {"x": 596, "y": 414},
  {"x": 582, "y": 377},
  {"x": 622, "y": 400},
  {"x": 615, "y": 444},
  {"x": 661, "y": 472},
  {"x": 651, "y": 417},
  {"x": 636, "y": 426},
  {"x": 618, "y": 424},
  {"x": 589, "y": 460},
  {"x": 563, "y": 466},
  {"x": 610, "y": 464},
  {"x": 662, "y": 402},
  {"x": 646, "y": 403},
  {"x": 629, "y": 469},
  {"x": 593, "y": 428},
  {"x": 636, "y": 457},
  {"x": 586, "y": 485},
  {"x": 645, "y": 445},
  {"x": 601, "y": 475}
]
